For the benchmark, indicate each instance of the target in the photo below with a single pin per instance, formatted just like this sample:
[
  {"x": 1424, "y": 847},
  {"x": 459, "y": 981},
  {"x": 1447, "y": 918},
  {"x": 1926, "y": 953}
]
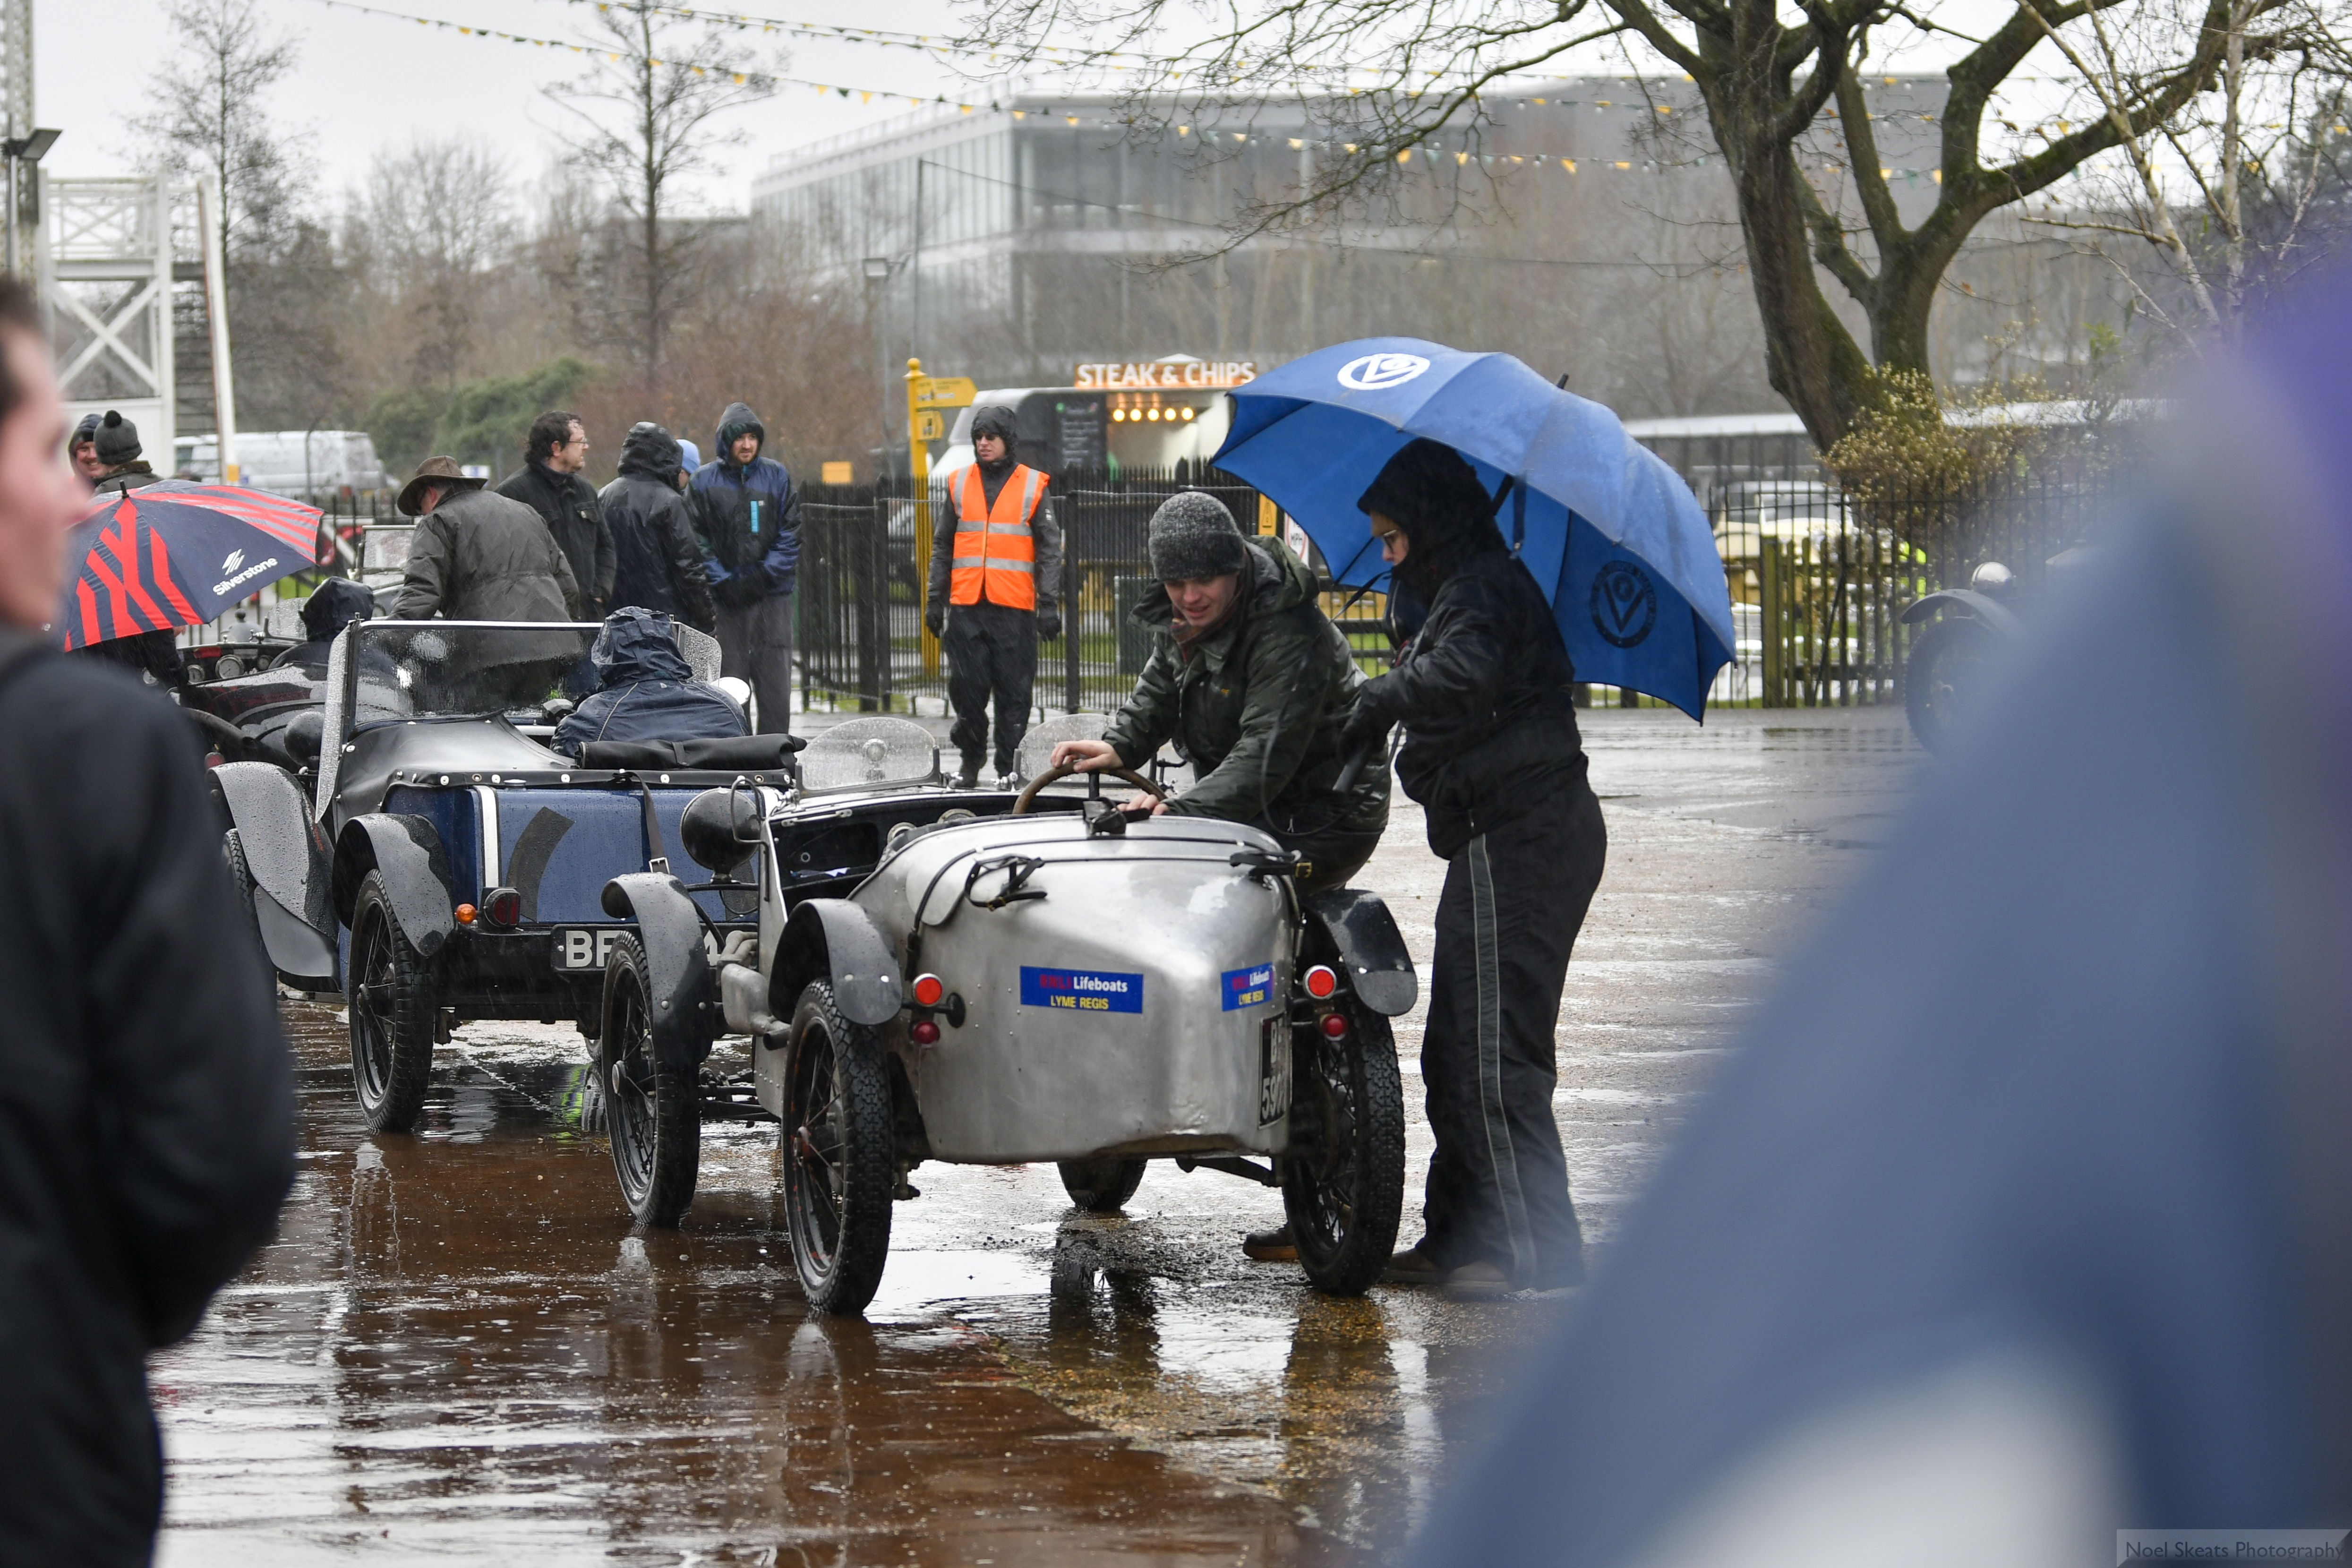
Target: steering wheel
[{"x": 1054, "y": 775}]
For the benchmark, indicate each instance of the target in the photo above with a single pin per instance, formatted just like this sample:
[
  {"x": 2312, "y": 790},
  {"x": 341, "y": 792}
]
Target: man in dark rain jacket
[
  {"x": 1254, "y": 694},
  {"x": 645, "y": 690},
  {"x": 548, "y": 482},
  {"x": 750, "y": 519},
  {"x": 1493, "y": 755},
  {"x": 657, "y": 561},
  {"x": 146, "y": 1096}
]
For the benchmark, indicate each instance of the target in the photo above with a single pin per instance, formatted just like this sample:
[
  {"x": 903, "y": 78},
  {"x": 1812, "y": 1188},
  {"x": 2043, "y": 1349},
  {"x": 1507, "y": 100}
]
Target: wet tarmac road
[{"x": 460, "y": 1350}]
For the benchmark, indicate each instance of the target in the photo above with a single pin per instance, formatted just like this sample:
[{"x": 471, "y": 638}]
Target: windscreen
[
  {"x": 417, "y": 669},
  {"x": 868, "y": 752}
]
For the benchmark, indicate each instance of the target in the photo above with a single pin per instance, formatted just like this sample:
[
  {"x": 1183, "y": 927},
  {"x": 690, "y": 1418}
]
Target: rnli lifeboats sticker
[
  {"x": 1247, "y": 987},
  {"x": 1081, "y": 990}
]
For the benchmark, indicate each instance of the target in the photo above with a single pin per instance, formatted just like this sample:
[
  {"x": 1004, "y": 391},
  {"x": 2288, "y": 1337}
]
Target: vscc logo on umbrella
[
  {"x": 1378, "y": 372},
  {"x": 1624, "y": 603}
]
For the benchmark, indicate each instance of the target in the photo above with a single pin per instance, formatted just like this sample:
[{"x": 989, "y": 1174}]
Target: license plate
[{"x": 585, "y": 948}]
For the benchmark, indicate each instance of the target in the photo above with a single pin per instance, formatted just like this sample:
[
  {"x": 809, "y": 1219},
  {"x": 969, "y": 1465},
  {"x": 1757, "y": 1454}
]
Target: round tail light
[
  {"x": 1321, "y": 982},
  {"x": 503, "y": 906},
  {"x": 924, "y": 1032},
  {"x": 930, "y": 992},
  {"x": 1335, "y": 1025}
]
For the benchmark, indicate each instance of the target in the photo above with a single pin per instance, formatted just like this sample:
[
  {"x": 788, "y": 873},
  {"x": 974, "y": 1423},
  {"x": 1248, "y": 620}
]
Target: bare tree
[
  {"x": 643, "y": 121},
  {"x": 2224, "y": 193},
  {"x": 1389, "y": 74},
  {"x": 213, "y": 115},
  {"x": 437, "y": 218}
]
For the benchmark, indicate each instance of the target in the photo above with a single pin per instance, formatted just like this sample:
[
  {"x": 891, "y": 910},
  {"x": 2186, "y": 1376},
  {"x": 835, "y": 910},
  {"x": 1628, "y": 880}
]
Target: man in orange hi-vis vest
[{"x": 995, "y": 582}]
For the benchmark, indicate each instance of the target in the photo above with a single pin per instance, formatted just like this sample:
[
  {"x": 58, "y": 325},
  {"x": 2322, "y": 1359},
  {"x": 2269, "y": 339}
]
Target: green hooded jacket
[{"x": 1257, "y": 708}]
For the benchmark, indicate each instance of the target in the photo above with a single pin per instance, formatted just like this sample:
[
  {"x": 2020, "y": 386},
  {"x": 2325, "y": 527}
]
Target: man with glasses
[{"x": 549, "y": 483}]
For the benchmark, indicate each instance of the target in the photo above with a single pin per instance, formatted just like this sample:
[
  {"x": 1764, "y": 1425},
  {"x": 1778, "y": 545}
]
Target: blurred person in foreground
[
  {"x": 991, "y": 591},
  {"x": 146, "y": 1096},
  {"x": 749, "y": 517},
  {"x": 1493, "y": 754},
  {"x": 2024, "y": 1213},
  {"x": 658, "y": 561}
]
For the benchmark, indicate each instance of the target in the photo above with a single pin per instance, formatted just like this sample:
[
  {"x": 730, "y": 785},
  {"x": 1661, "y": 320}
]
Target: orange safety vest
[{"x": 996, "y": 554}]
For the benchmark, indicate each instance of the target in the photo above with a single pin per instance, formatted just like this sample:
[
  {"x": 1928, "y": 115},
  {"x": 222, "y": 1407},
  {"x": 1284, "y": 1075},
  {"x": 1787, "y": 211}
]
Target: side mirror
[
  {"x": 305, "y": 736},
  {"x": 720, "y": 831}
]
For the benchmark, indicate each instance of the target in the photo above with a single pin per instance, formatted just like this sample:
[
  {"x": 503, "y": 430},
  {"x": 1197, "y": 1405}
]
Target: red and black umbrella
[{"x": 176, "y": 553}]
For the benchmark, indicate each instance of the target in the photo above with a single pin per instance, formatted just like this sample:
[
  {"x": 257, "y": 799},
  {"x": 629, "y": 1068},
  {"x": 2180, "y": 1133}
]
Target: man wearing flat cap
[{"x": 477, "y": 556}]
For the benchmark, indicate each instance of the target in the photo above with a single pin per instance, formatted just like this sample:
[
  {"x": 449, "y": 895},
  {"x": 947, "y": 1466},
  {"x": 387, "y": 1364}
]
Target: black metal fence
[
  {"x": 1818, "y": 579},
  {"x": 863, "y": 562}
]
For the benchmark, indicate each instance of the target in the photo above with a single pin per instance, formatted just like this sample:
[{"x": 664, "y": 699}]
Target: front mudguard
[
  {"x": 1363, "y": 936},
  {"x": 1965, "y": 601},
  {"x": 415, "y": 870},
  {"x": 288, "y": 858},
  {"x": 678, "y": 966},
  {"x": 834, "y": 939}
]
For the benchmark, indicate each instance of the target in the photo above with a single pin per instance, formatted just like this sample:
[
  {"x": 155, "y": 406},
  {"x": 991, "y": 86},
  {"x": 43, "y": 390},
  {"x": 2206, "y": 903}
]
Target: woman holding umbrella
[{"x": 1492, "y": 754}]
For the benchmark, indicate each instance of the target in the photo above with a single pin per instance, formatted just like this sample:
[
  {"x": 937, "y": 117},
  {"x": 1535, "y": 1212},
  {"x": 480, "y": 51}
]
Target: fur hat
[
  {"x": 118, "y": 441},
  {"x": 1192, "y": 535}
]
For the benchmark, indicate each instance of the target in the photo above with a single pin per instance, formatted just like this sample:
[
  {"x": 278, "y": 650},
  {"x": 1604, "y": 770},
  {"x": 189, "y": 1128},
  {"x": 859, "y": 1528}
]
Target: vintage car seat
[{"x": 645, "y": 690}]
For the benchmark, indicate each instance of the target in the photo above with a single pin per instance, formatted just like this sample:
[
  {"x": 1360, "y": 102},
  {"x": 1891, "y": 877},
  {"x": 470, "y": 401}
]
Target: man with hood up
[
  {"x": 658, "y": 562},
  {"x": 750, "y": 519},
  {"x": 645, "y": 690},
  {"x": 993, "y": 588},
  {"x": 1493, "y": 754}
]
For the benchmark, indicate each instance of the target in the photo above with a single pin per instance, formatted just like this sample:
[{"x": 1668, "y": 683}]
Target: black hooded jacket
[
  {"x": 1482, "y": 687},
  {"x": 657, "y": 561},
  {"x": 645, "y": 690},
  {"x": 567, "y": 503},
  {"x": 146, "y": 1095}
]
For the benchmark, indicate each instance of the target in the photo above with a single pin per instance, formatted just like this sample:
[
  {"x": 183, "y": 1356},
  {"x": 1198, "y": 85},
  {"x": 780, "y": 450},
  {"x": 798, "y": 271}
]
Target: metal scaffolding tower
[{"x": 113, "y": 256}]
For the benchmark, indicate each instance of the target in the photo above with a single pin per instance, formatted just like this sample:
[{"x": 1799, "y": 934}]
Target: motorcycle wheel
[
  {"x": 652, "y": 1113},
  {"x": 394, "y": 1006},
  {"x": 1942, "y": 675},
  {"x": 1343, "y": 1183},
  {"x": 1101, "y": 1186},
  {"x": 838, "y": 1168}
]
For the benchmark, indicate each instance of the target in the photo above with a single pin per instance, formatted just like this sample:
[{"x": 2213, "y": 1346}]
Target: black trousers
[
  {"x": 1514, "y": 900},
  {"x": 991, "y": 653}
]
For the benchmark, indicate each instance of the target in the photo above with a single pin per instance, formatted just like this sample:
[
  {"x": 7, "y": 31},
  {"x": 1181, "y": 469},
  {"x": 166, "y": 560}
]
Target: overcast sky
[{"x": 367, "y": 82}]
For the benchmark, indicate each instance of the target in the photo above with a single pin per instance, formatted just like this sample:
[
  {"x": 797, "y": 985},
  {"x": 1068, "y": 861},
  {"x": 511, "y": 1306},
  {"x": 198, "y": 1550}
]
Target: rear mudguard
[
  {"x": 1965, "y": 601},
  {"x": 288, "y": 858},
  {"x": 834, "y": 939},
  {"x": 1364, "y": 935},
  {"x": 678, "y": 966},
  {"x": 415, "y": 875}
]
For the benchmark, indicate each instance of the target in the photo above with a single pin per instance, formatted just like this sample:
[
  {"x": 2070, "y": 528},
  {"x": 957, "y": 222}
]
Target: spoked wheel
[
  {"x": 837, "y": 1154},
  {"x": 1943, "y": 675},
  {"x": 1343, "y": 1180},
  {"x": 395, "y": 1006},
  {"x": 1101, "y": 1186},
  {"x": 653, "y": 1113}
]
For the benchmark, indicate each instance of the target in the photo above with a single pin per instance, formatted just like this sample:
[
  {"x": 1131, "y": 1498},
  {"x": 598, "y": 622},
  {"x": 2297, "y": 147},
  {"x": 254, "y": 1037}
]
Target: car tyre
[
  {"x": 1945, "y": 669},
  {"x": 652, "y": 1111},
  {"x": 395, "y": 1006},
  {"x": 1103, "y": 1185},
  {"x": 838, "y": 1155},
  {"x": 1343, "y": 1186},
  {"x": 240, "y": 872}
]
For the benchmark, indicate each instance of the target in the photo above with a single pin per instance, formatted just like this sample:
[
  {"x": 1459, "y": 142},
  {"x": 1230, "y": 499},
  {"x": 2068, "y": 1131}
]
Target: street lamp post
[
  {"x": 878, "y": 270},
  {"x": 24, "y": 154}
]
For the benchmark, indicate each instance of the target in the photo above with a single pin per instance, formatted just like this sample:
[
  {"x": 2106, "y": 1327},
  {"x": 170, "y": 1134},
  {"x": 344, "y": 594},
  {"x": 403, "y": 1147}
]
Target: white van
[{"x": 300, "y": 463}]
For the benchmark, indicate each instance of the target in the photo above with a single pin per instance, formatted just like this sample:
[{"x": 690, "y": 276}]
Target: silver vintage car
[{"x": 1007, "y": 981}]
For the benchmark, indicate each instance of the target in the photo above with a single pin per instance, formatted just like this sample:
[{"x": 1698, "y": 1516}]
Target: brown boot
[
  {"x": 1413, "y": 1267},
  {"x": 1480, "y": 1281},
  {"x": 1271, "y": 1246}
]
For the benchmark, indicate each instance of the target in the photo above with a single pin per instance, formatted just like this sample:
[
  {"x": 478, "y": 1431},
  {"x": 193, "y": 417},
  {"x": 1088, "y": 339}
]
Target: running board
[{"x": 1232, "y": 1166}]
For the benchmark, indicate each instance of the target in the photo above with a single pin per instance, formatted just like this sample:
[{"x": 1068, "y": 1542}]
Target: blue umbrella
[{"x": 1614, "y": 537}]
